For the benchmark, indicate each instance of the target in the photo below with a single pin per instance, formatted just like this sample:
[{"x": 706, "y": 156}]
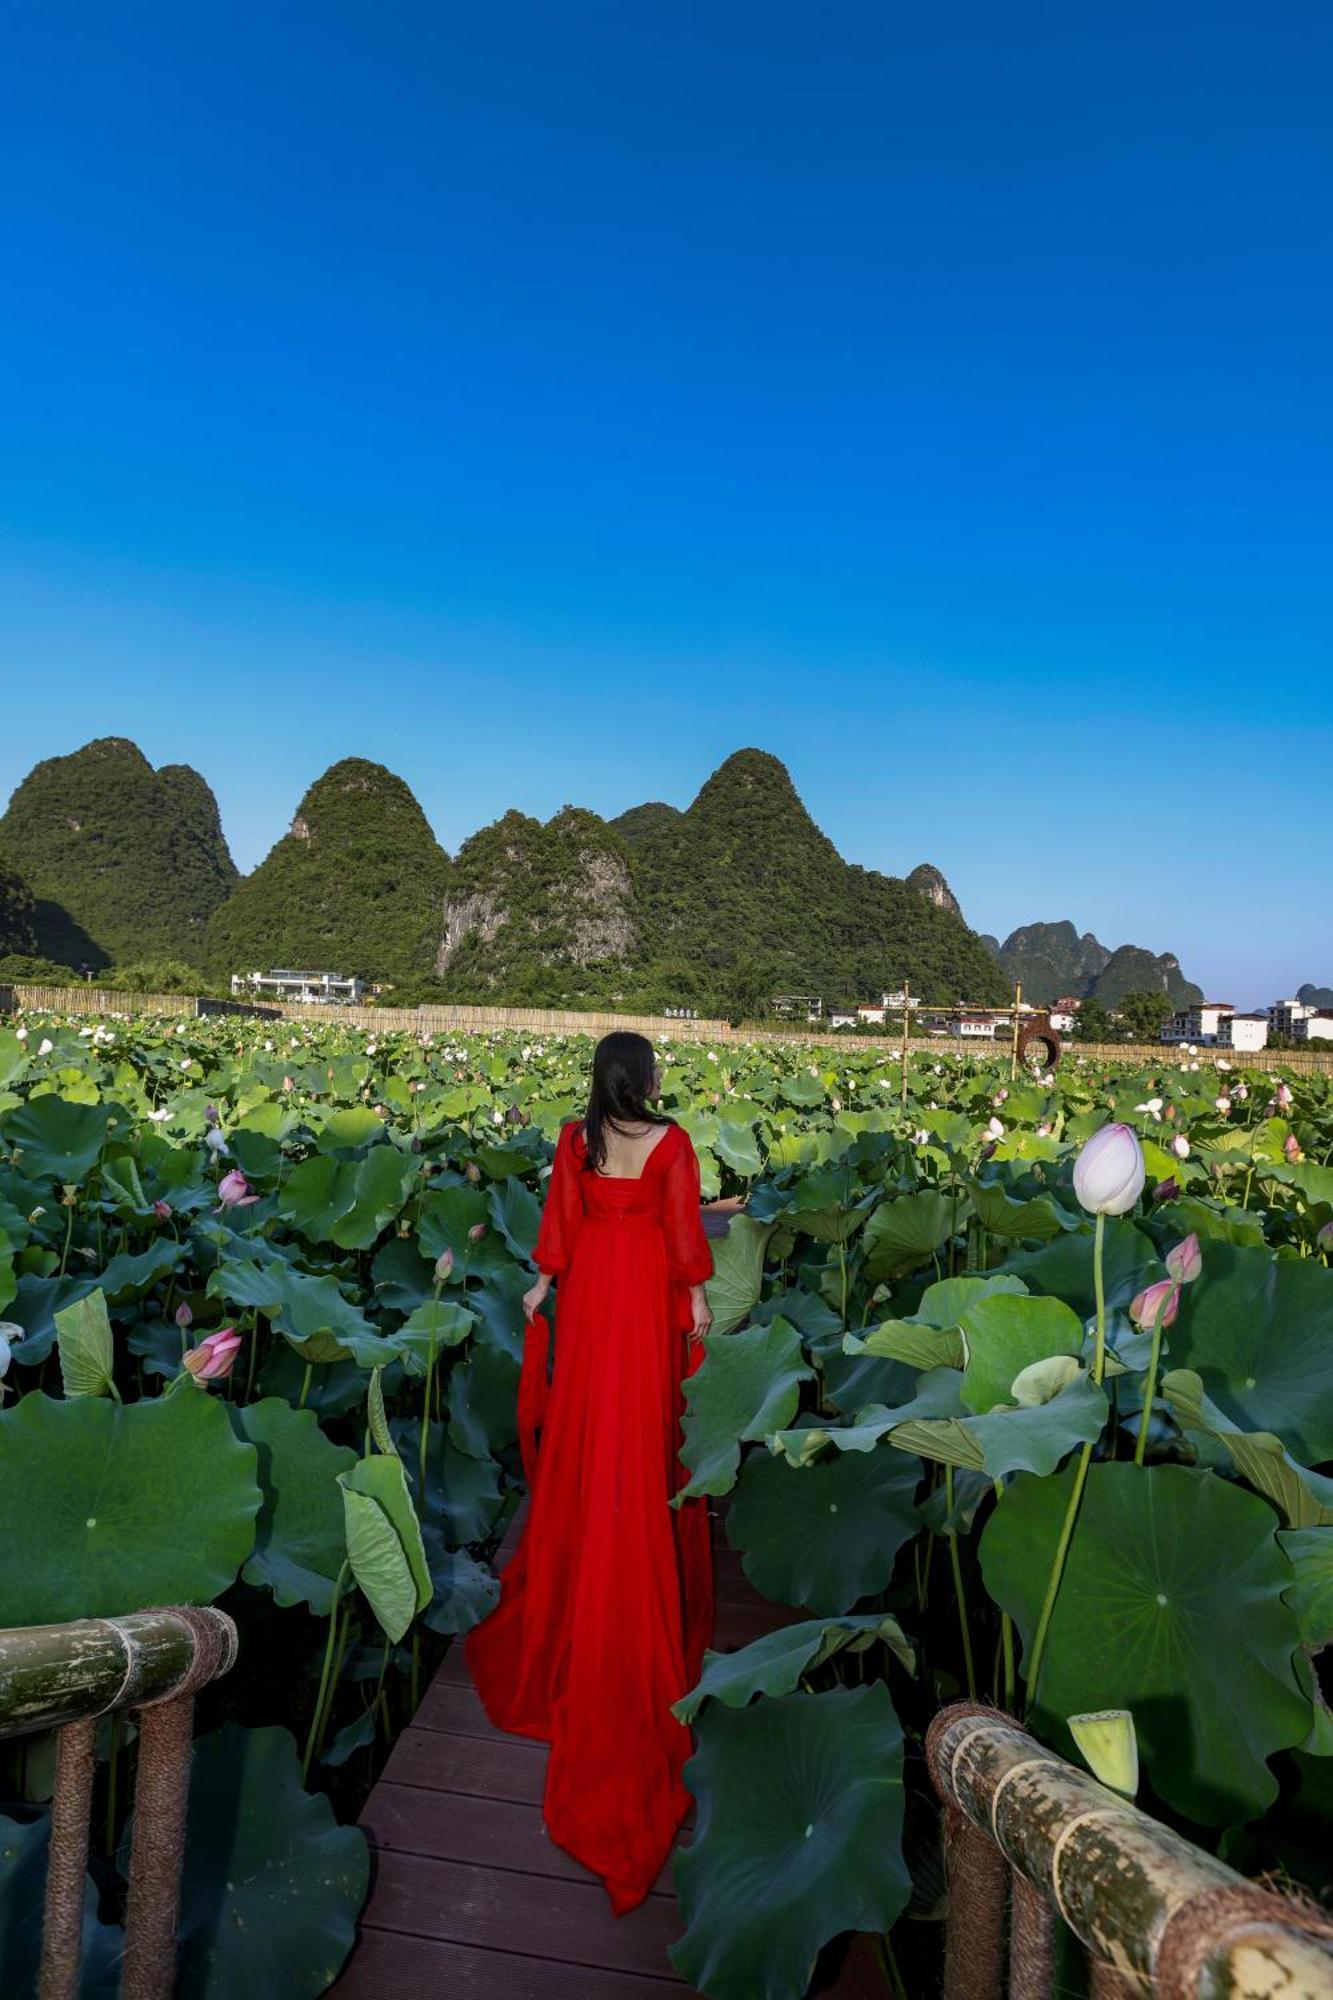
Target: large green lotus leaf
[
  {"x": 466, "y": 1591},
  {"x": 1006, "y": 1333},
  {"x": 748, "y": 1385},
  {"x": 1036, "y": 1220},
  {"x": 1258, "y": 1331},
  {"x": 1063, "y": 1269},
  {"x": 299, "y": 1544},
  {"x": 775, "y": 1663},
  {"x": 437, "y": 1324},
  {"x": 1191, "y": 1216},
  {"x": 131, "y": 1275},
  {"x": 1171, "y": 1606},
  {"x": 382, "y": 1478},
  {"x": 798, "y": 1836},
  {"x": 944, "y": 1303},
  {"x": 379, "y": 1562},
  {"x": 830, "y": 1203},
  {"x": 906, "y": 1229},
  {"x": 348, "y": 1202},
  {"x": 936, "y": 1400},
  {"x": 1310, "y": 1553},
  {"x": 34, "y": 1307},
  {"x": 736, "y": 1147},
  {"x": 801, "y": 1089},
  {"x": 348, "y": 1130},
  {"x": 483, "y": 1402},
  {"x": 463, "y": 1494},
  {"x": 1035, "y": 1439},
  {"x": 57, "y": 1140},
  {"x": 517, "y": 1214},
  {"x": 273, "y": 1885},
  {"x": 824, "y": 1534},
  {"x": 738, "y": 1272},
  {"x": 123, "y": 1505},
  {"x": 87, "y": 1353},
  {"x": 445, "y": 1217},
  {"x": 1305, "y": 1499},
  {"x": 307, "y": 1309},
  {"x": 23, "y": 1859}
]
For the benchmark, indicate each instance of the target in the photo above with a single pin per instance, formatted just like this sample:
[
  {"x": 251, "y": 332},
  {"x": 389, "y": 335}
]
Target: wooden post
[
  {"x": 1013, "y": 1053},
  {"x": 907, "y": 1010}
]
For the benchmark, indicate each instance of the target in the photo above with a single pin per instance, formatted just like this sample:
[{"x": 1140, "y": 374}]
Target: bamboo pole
[
  {"x": 1164, "y": 1915},
  {"x": 1013, "y": 1047},
  {"x": 51, "y": 1675}
]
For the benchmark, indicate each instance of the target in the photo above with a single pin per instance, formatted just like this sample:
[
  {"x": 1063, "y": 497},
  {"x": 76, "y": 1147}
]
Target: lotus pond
[{"x": 260, "y": 1289}]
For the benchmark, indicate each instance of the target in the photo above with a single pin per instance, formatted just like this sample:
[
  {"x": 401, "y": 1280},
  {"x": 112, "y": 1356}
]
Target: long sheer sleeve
[
  {"x": 689, "y": 1253},
  {"x": 562, "y": 1215}
]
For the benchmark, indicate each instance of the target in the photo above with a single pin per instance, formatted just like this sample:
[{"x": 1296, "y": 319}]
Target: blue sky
[{"x": 549, "y": 400}]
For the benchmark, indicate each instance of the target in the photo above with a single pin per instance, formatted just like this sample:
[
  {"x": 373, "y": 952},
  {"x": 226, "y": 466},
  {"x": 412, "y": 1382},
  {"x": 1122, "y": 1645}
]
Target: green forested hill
[
  {"x": 18, "y": 915},
  {"x": 124, "y": 862},
  {"x": 1052, "y": 960},
  {"x": 355, "y": 886}
]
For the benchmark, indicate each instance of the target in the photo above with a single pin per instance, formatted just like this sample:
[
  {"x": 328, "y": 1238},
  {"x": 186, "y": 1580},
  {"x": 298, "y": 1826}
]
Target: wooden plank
[
  {"x": 455, "y": 1707},
  {"x": 495, "y": 1833},
  {"x": 390, "y": 1966},
  {"x": 503, "y": 1769},
  {"x": 569, "y": 1922}
]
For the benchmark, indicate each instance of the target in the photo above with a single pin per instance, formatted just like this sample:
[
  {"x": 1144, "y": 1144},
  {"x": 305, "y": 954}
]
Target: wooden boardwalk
[{"x": 470, "y": 1899}]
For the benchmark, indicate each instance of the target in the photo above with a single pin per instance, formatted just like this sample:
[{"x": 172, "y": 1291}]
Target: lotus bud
[
  {"x": 1283, "y": 1098},
  {"x": 1156, "y": 1305},
  {"x": 183, "y": 1316},
  {"x": 472, "y": 1171},
  {"x": 162, "y": 1210},
  {"x": 1222, "y": 1106},
  {"x": 1186, "y": 1261},
  {"x": 215, "y": 1357},
  {"x": 1180, "y": 1146},
  {"x": 444, "y": 1264},
  {"x": 210, "y": 1114},
  {"x": 477, "y": 1231},
  {"x": 1324, "y": 1240},
  {"x": 1110, "y": 1747},
  {"x": 1109, "y": 1172},
  {"x": 234, "y": 1190},
  {"x": 10, "y": 1335},
  {"x": 1291, "y": 1146}
]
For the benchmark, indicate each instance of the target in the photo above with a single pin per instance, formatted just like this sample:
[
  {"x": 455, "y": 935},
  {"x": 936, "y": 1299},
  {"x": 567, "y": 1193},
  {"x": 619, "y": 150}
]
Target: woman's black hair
[{"x": 622, "y": 1076}]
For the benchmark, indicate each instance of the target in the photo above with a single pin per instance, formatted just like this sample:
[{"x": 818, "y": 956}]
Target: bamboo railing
[
  {"x": 1154, "y": 1915},
  {"x": 65, "y": 1677},
  {"x": 107, "y": 1002}
]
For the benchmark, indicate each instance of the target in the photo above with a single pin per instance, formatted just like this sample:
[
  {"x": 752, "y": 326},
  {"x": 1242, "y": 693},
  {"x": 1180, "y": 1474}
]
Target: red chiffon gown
[{"x": 606, "y": 1604}]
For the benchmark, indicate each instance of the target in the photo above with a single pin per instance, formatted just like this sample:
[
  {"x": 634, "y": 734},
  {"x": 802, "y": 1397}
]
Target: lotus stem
[
  {"x": 1080, "y": 1473},
  {"x": 1154, "y": 1362},
  {"x": 956, "y": 1564},
  {"x": 339, "y": 1580}
]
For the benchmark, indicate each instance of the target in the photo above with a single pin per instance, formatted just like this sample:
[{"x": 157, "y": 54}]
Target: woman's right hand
[
  {"x": 703, "y": 1318},
  {"x": 533, "y": 1297}
]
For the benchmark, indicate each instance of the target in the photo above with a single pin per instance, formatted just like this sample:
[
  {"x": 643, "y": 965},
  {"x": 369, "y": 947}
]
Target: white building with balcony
[
  {"x": 298, "y": 989},
  {"x": 1203, "y": 1024}
]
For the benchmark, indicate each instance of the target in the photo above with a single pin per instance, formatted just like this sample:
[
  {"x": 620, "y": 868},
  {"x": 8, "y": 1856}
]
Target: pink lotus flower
[
  {"x": 1283, "y": 1098},
  {"x": 234, "y": 1190},
  {"x": 183, "y": 1316},
  {"x": 1291, "y": 1146},
  {"x": 1156, "y": 1305},
  {"x": 214, "y": 1358},
  {"x": 1186, "y": 1261}
]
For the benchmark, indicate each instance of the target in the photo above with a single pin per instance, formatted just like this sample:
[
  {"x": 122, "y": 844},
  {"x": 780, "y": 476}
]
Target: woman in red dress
[{"x": 606, "y": 1604}]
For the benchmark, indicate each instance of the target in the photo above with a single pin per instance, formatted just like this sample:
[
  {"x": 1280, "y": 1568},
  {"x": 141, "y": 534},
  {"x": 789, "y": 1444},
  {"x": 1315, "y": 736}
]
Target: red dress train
[{"x": 606, "y": 1604}]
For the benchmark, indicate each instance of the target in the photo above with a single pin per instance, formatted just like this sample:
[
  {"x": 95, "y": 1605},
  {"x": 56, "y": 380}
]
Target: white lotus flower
[
  {"x": 180, "y": 1028},
  {"x": 995, "y": 1130},
  {"x": 186, "y": 1062},
  {"x": 160, "y": 1116},
  {"x": 1109, "y": 1172},
  {"x": 214, "y": 1139},
  {"x": 1180, "y": 1146},
  {"x": 44, "y": 1047}
]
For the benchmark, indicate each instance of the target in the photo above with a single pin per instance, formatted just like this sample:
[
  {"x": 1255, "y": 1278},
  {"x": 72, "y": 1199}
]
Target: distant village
[{"x": 1207, "y": 1024}]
